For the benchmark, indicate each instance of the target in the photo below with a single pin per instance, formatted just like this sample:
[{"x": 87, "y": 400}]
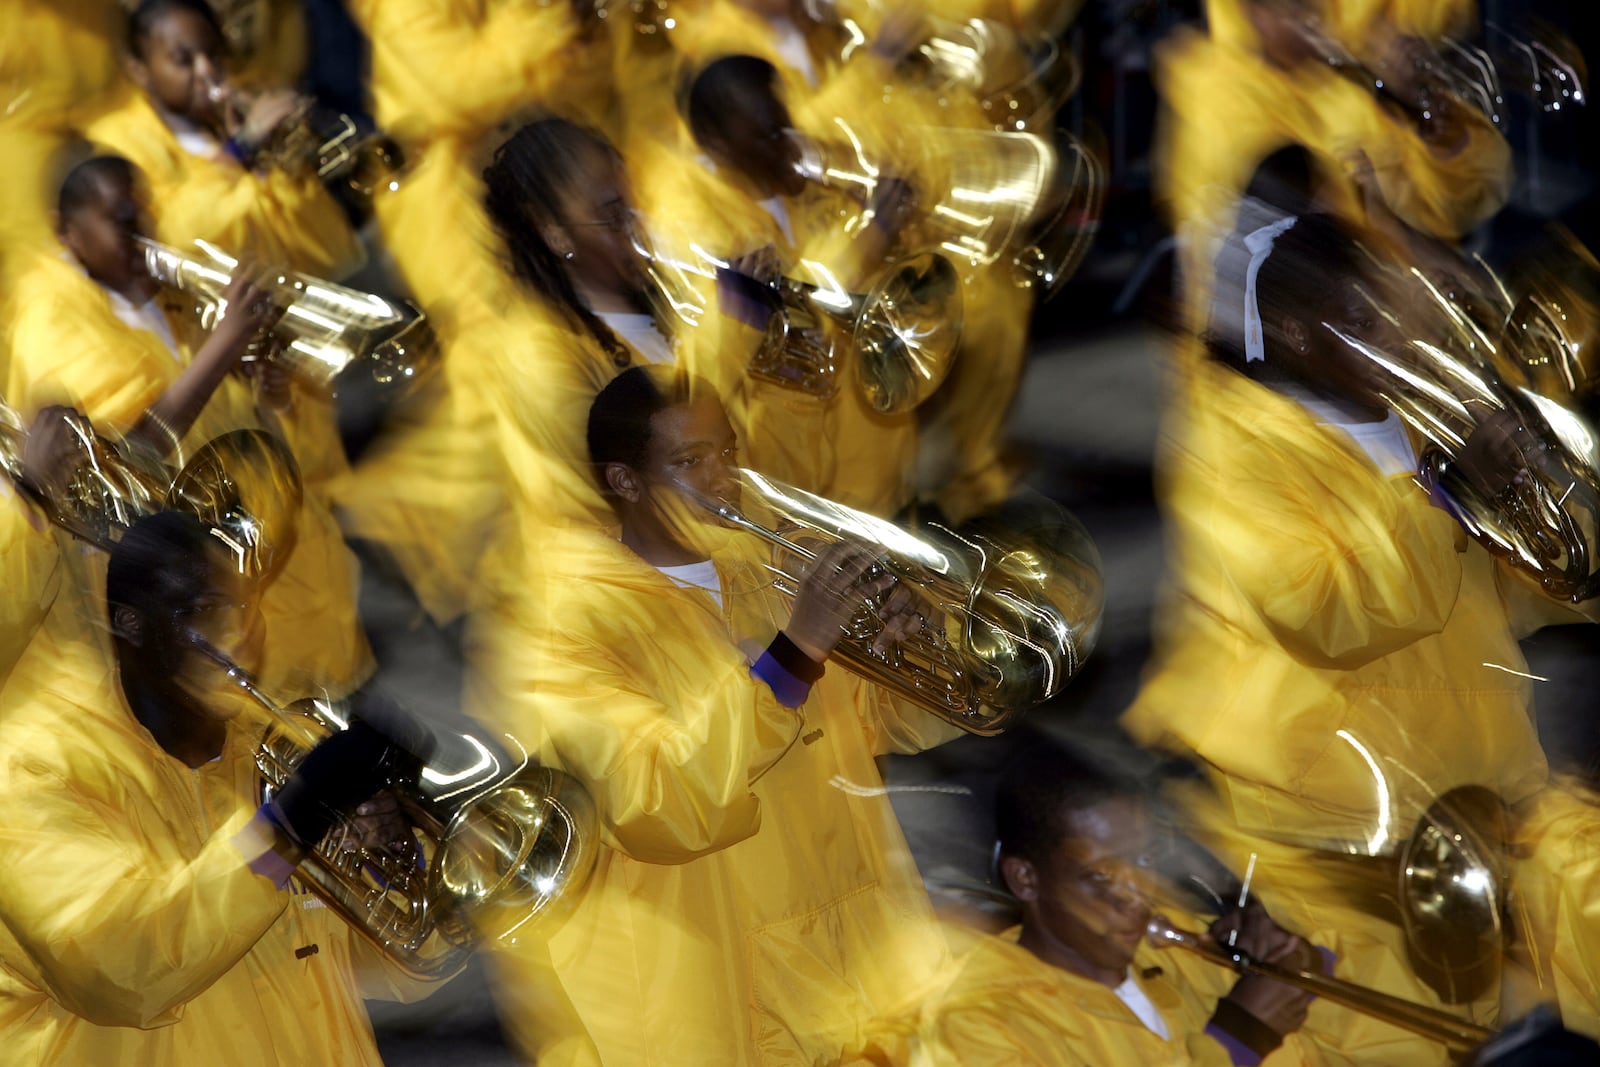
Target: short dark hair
[
  {"x": 619, "y": 417},
  {"x": 723, "y": 86},
  {"x": 1043, "y": 783},
  {"x": 81, "y": 186},
  {"x": 163, "y": 564},
  {"x": 142, "y": 22}
]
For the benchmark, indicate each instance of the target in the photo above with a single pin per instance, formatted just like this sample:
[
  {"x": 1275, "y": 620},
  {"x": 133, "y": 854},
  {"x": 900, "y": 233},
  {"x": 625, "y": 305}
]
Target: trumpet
[
  {"x": 327, "y": 334},
  {"x": 497, "y": 842},
  {"x": 1015, "y": 597}
]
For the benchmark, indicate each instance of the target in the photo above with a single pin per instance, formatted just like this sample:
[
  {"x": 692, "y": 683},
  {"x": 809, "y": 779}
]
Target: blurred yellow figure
[
  {"x": 1261, "y": 82},
  {"x": 81, "y": 339},
  {"x": 755, "y": 902},
  {"x": 1079, "y": 982},
  {"x": 443, "y": 76},
  {"x": 1332, "y": 647},
  {"x": 197, "y": 143},
  {"x": 58, "y": 63},
  {"x": 149, "y": 914}
]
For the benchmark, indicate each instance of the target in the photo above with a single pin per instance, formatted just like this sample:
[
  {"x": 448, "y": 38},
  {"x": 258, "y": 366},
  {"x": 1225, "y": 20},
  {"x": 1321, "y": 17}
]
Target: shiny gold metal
[
  {"x": 103, "y": 494},
  {"x": 1014, "y": 598},
  {"x": 1457, "y": 1035},
  {"x": 334, "y": 148},
  {"x": 982, "y": 197},
  {"x": 496, "y": 843},
  {"x": 326, "y": 333}
]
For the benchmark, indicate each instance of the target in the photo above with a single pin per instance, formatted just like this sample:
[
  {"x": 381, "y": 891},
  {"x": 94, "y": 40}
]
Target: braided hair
[{"x": 523, "y": 186}]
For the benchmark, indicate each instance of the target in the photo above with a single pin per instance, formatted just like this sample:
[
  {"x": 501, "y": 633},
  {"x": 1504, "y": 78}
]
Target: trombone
[{"x": 1457, "y": 1035}]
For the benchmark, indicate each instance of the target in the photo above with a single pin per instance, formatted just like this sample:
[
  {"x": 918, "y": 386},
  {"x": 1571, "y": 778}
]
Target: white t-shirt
[
  {"x": 702, "y": 575},
  {"x": 1139, "y": 1003},
  {"x": 145, "y": 316},
  {"x": 639, "y": 332},
  {"x": 1385, "y": 441}
]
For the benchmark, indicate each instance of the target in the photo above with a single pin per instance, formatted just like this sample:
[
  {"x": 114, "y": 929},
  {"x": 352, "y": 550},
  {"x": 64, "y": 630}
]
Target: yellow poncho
[
  {"x": 755, "y": 902},
  {"x": 265, "y": 215},
  {"x": 1008, "y": 1008},
  {"x": 131, "y": 928}
]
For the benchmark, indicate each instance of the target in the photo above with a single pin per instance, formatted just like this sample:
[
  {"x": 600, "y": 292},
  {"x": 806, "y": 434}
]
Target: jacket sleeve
[
  {"x": 665, "y": 727},
  {"x": 974, "y": 1035},
  {"x": 445, "y": 69},
  {"x": 1341, "y": 569},
  {"x": 122, "y": 930}
]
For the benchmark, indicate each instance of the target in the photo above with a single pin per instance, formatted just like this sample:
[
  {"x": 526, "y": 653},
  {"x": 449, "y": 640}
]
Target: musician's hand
[
  {"x": 1278, "y": 1006},
  {"x": 274, "y": 384},
  {"x": 834, "y": 587},
  {"x": 264, "y": 115},
  {"x": 378, "y": 823},
  {"x": 893, "y": 204},
  {"x": 1253, "y": 932},
  {"x": 904, "y": 615},
  {"x": 901, "y": 32},
  {"x": 764, "y": 264},
  {"x": 250, "y": 309},
  {"x": 1498, "y": 453},
  {"x": 50, "y": 450}
]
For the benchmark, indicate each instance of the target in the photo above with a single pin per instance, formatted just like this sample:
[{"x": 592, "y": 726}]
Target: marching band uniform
[
  {"x": 200, "y": 192},
  {"x": 133, "y": 928},
  {"x": 754, "y": 900}
]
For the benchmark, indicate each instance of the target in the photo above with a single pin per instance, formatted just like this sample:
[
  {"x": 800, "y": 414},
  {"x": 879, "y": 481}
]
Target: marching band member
[
  {"x": 1331, "y": 612},
  {"x": 755, "y": 901},
  {"x": 147, "y": 908},
  {"x": 185, "y": 132},
  {"x": 444, "y": 76},
  {"x": 1077, "y": 983},
  {"x": 91, "y": 329}
]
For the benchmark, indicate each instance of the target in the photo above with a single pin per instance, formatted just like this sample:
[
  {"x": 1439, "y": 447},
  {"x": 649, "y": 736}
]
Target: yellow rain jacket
[
  {"x": 69, "y": 347},
  {"x": 444, "y": 74},
  {"x": 755, "y": 902},
  {"x": 132, "y": 930},
  {"x": 1336, "y": 618},
  {"x": 266, "y": 215},
  {"x": 1008, "y": 1008}
]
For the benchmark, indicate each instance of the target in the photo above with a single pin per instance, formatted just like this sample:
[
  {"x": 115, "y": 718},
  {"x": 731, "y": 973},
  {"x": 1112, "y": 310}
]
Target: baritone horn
[
  {"x": 497, "y": 843},
  {"x": 327, "y": 334},
  {"x": 1015, "y": 597}
]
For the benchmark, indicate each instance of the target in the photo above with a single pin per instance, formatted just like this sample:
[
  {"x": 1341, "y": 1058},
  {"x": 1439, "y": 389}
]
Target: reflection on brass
[
  {"x": 496, "y": 843},
  {"x": 1012, "y": 601},
  {"x": 325, "y": 333}
]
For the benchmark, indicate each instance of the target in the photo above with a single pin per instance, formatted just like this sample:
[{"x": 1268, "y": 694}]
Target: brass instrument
[
  {"x": 899, "y": 338},
  {"x": 1445, "y": 884},
  {"x": 1462, "y": 361},
  {"x": 326, "y": 333},
  {"x": 1455, "y": 1034},
  {"x": 497, "y": 842},
  {"x": 1015, "y": 598},
  {"x": 332, "y": 146},
  {"x": 988, "y": 198}
]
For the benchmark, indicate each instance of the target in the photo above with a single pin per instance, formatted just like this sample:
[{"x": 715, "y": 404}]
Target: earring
[{"x": 568, "y": 255}]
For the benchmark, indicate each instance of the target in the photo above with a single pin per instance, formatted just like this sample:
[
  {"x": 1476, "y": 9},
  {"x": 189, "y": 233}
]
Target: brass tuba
[
  {"x": 1015, "y": 597},
  {"x": 326, "y": 333},
  {"x": 497, "y": 842},
  {"x": 1468, "y": 355}
]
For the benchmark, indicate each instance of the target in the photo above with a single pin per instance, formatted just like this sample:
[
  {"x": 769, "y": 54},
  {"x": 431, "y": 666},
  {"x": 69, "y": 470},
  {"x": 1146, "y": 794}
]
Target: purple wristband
[
  {"x": 1240, "y": 1054},
  {"x": 790, "y": 691}
]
